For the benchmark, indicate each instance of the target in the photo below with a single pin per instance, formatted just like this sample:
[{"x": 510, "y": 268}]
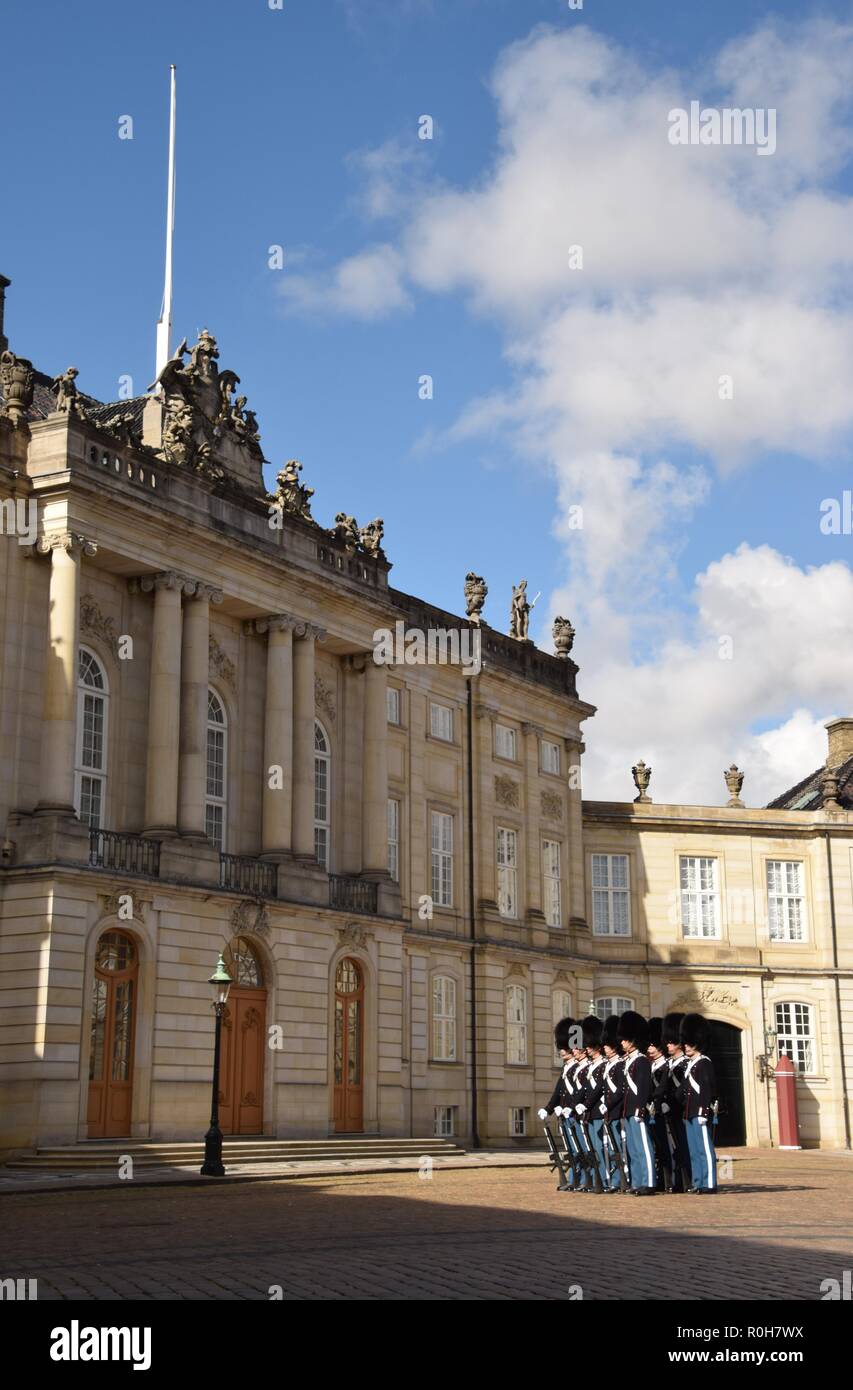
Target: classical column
[
  {"x": 374, "y": 795},
  {"x": 277, "y": 813},
  {"x": 59, "y": 708},
  {"x": 164, "y": 700},
  {"x": 306, "y": 635},
  {"x": 195, "y": 674}
]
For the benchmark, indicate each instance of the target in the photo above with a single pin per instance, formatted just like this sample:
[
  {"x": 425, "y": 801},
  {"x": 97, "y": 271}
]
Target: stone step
[{"x": 94, "y": 1155}]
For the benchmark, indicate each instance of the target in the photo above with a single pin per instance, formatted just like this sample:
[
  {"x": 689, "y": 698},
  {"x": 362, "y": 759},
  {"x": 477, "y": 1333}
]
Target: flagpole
[{"x": 164, "y": 324}]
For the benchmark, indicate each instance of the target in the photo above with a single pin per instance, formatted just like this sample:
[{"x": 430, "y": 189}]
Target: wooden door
[
  {"x": 113, "y": 1026},
  {"x": 241, "y": 1070},
  {"x": 349, "y": 1048}
]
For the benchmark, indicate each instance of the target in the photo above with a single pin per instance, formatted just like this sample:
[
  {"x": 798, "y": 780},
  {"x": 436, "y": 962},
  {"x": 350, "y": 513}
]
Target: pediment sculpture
[{"x": 202, "y": 415}]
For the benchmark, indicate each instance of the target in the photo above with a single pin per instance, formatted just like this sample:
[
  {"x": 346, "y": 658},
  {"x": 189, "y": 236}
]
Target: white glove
[
  {"x": 702, "y": 1119},
  {"x": 638, "y": 1118},
  {"x": 602, "y": 1109},
  {"x": 581, "y": 1109},
  {"x": 543, "y": 1114},
  {"x": 664, "y": 1108}
]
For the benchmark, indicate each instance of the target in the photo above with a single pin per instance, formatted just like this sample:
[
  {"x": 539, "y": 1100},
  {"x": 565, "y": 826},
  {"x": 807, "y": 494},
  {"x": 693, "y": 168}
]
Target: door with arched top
[
  {"x": 113, "y": 1024},
  {"x": 349, "y": 1048},
  {"x": 241, "y": 1072}
]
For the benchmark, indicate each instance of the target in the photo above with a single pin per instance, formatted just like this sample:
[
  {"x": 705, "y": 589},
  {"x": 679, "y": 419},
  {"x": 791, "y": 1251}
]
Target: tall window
[
  {"x": 442, "y": 859},
  {"x": 443, "y": 1018},
  {"x": 553, "y": 901},
  {"x": 612, "y": 1004},
  {"x": 392, "y": 704},
  {"x": 610, "y": 902},
  {"x": 700, "y": 904},
  {"x": 216, "y": 805},
  {"x": 90, "y": 773},
  {"x": 507, "y": 872},
  {"x": 504, "y": 741},
  {"x": 516, "y": 1025},
  {"x": 441, "y": 722},
  {"x": 795, "y": 1035},
  {"x": 549, "y": 759},
  {"x": 785, "y": 900},
  {"x": 394, "y": 839},
  {"x": 322, "y": 815}
]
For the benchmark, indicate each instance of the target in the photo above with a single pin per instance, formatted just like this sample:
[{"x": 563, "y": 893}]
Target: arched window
[
  {"x": 243, "y": 965},
  {"x": 612, "y": 1004},
  {"x": 216, "y": 803},
  {"x": 443, "y": 1018},
  {"x": 795, "y": 1035},
  {"x": 90, "y": 769},
  {"x": 322, "y": 789},
  {"x": 516, "y": 1025}
]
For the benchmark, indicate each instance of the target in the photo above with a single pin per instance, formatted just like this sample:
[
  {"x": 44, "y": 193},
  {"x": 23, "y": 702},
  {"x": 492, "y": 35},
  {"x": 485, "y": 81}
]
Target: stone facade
[{"x": 159, "y": 554}]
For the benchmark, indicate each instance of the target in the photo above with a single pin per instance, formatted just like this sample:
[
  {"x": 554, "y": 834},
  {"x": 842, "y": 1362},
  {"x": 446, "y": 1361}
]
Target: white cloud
[{"x": 368, "y": 285}]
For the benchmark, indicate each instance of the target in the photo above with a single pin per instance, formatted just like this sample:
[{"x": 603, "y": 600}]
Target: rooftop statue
[
  {"x": 476, "y": 590},
  {"x": 199, "y": 413},
  {"x": 371, "y": 535},
  {"x": 346, "y": 530},
  {"x": 293, "y": 497},
  {"x": 519, "y": 613},
  {"x": 64, "y": 387}
]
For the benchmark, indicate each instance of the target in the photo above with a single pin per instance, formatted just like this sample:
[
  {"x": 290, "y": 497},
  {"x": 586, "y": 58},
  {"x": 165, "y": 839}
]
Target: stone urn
[
  {"x": 642, "y": 777},
  {"x": 476, "y": 590},
  {"x": 564, "y": 636},
  {"x": 16, "y": 377}
]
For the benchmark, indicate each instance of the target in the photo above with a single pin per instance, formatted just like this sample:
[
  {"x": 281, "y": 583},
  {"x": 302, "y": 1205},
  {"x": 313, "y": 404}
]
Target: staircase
[{"x": 95, "y": 1155}]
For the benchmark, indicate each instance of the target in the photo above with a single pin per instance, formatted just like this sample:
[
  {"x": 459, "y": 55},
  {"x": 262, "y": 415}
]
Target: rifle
[
  {"x": 664, "y": 1172},
  {"x": 592, "y": 1161},
  {"x": 573, "y": 1153},
  {"x": 556, "y": 1164},
  {"x": 624, "y": 1170}
]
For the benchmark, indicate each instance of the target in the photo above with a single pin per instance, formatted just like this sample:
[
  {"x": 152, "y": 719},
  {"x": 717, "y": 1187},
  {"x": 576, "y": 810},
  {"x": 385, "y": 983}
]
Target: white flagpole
[{"x": 164, "y": 323}]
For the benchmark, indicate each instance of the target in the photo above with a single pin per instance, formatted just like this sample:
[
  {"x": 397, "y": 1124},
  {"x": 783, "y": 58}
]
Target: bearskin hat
[
  {"x": 592, "y": 1031},
  {"x": 561, "y": 1034},
  {"x": 655, "y": 1035},
  {"x": 694, "y": 1031},
  {"x": 610, "y": 1032},
  {"x": 633, "y": 1028},
  {"x": 672, "y": 1028}
]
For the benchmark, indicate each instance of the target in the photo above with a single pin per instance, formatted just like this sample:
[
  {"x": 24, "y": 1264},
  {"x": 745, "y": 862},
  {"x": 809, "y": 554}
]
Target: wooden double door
[
  {"x": 241, "y": 1073},
  {"x": 113, "y": 1027},
  {"x": 349, "y": 1048}
]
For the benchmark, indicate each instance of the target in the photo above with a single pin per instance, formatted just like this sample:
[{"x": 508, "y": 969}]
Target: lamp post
[{"x": 220, "y": 983}]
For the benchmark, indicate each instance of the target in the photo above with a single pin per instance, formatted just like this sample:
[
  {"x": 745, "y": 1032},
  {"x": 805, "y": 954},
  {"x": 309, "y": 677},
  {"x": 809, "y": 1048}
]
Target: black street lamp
[{"x": 220, "y": 982}]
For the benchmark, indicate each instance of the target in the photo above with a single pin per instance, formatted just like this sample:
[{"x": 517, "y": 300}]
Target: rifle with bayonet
[
  {"x": 624, "y": 1170},
  {"x": 556, "y": 1164}
]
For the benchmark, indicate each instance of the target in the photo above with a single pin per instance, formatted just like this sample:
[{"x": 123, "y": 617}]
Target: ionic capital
[
  {"x": 71, "y": 542},
  {"x": 309, "y": 632},
  {"x": 166, "y": 579},
  {"x": 274, "y": 622},
  {"x": 208, "y": 593},
  {"x": 532, "y": 729}
]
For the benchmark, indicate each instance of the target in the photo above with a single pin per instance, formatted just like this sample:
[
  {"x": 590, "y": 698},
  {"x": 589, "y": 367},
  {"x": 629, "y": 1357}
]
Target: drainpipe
[
  {"x": 840, "y": 1022},
  {"x": 472, "y": 917}
]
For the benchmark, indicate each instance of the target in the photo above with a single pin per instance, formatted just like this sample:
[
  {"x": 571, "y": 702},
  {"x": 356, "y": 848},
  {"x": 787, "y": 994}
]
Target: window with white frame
[
  {"x": 504, "y": 742},
  {"x": 392, "y": 704},
  {"x": 795, "y": 1035},
  {"x": 785, "y": 910},
  {"x": 507, "y": 860},
  {"x": 443, "y": 1018},
  {"x": 516, "y": 1025},
  {"x": 700, "y": 901},
  {"x": 394, "y": 838},
  {"x": 442, "y": 858},
  {"x": 322, "y": 794},
  {"x": 444, "y": 1121},
  {"x": 90, "y": 772},
  {"x": 612, "y": 1004},
  {"x": 552, "y": 884},
  {"x": 611, "y": 912},
  {"x": 518, "y": 1121},
  {"x": 441, "y": 722},
  {"x": 549, "y": 757},
  {"x": 216, "y": 800}
]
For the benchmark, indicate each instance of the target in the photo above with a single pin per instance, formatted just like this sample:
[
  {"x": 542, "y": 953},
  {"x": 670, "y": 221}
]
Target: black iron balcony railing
[
  {"x": 352, "y": 894},
  {"x": 254, "y": 877},
  {"x": 131, "y": 854}
]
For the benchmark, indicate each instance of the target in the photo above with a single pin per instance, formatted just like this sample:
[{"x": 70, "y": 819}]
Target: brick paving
[{"x": 781, "y": 1226}]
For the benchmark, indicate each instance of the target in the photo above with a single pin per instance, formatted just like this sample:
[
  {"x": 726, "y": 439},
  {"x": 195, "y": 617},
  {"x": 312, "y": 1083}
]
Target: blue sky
[{"x": 289, "y": 123}]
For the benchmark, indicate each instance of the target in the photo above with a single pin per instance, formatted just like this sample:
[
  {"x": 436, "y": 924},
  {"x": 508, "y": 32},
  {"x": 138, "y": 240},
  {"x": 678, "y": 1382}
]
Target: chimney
[
  {"x": 4, "y": 283},
  {"x": 840, "y": 735}
]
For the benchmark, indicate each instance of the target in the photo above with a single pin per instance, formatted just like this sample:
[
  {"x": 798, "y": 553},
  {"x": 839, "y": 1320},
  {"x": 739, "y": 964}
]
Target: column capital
[
  {"x": 274, "y": 622},
  {"x": 166, "y": 579},
  {"x": 72, "y": 542},
  {"x": 527, "y": 728},
  {"x": 311, "y": 632},
  {"x": 482, "y": 711},
  {"x": 207, "y": 592}
]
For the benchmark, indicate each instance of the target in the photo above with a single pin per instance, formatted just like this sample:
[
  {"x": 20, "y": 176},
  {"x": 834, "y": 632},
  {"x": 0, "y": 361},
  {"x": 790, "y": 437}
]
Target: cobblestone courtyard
[{"x": 780, "y": 1227}]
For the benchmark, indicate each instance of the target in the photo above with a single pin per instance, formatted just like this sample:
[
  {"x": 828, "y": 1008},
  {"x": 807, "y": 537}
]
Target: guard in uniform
[
  {"x": 633, "y": 1035},
  {"x": 672, "y": 1107},
  {"x": 589, "y": 1110},
  {"x": 575, "y": 1079},
  {"x": 698, "y": 1089},
  {"x": 610, "y": 1106},
  {"x": 657, "y": 1115},
  {"x": 560, "y": 1095}
]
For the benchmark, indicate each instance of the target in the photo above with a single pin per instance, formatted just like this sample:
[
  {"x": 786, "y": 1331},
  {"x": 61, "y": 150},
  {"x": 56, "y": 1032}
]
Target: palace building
[{"x": 200, "y": 754}]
